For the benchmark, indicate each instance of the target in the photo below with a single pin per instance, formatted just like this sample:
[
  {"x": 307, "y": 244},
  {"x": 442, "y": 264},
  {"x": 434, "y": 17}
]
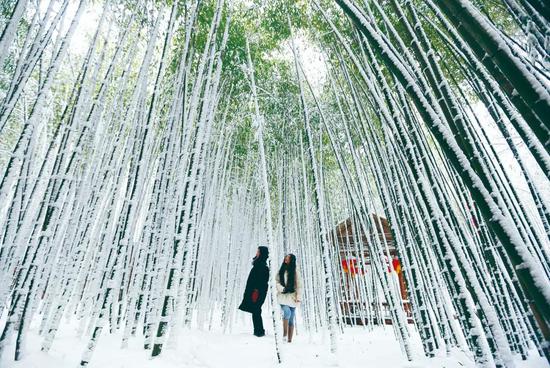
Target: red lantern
[
  {"x": 396, "y": 265},
  {"x": 350, "y": 266},
  {"x": 345, "y": 266}
]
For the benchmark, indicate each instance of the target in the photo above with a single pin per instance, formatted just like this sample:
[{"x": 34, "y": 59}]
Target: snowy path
[{"x": 357, "y": 348}]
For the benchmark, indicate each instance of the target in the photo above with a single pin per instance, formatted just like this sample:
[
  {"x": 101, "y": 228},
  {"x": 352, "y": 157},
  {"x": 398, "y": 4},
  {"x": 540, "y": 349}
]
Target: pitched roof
[{"x": 345, "y": 232}]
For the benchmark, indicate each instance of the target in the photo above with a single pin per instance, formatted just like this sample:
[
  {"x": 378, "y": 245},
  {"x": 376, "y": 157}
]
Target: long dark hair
[{"x": 290, "y": 285}]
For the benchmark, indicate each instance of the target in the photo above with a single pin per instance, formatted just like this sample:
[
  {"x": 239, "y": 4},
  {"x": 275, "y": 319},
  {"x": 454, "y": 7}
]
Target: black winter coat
[{"x": 257, "y": 280}]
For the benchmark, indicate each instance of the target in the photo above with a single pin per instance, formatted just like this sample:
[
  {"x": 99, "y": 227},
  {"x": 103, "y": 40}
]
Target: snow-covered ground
[{"x": 357, "y": 347}]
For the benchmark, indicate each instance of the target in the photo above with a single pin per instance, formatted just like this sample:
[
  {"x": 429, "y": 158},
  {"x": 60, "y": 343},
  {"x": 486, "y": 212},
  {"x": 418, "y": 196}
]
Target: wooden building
[{"x": 357, "y": 279}]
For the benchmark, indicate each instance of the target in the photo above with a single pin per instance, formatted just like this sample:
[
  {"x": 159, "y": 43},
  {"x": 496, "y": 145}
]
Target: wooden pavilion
[{"x": 357, "y": 278}]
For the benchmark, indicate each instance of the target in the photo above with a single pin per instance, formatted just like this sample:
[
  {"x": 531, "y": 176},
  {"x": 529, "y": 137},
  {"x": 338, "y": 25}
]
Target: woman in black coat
[{"x": 256, "y": 290}]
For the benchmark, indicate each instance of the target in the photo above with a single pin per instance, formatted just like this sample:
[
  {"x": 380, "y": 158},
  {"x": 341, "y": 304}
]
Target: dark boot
[
  {"x": 285, "y": 327},
  {"x": 290, "y": 333}
]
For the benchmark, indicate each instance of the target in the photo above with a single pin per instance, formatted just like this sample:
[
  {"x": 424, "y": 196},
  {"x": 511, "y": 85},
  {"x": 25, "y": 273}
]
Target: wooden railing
[{"x": 358, "y": 313}]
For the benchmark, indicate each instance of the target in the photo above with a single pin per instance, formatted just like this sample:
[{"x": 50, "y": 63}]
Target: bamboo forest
[{"x": 372, "y": 174}]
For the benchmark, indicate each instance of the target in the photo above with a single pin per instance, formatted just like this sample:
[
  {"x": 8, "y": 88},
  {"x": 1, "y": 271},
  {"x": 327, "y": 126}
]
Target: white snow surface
[{"x": 357, "y": 347}]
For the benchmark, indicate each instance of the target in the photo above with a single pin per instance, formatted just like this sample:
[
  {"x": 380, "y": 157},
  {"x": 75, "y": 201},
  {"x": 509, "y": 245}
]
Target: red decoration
[
  {"x": 350, "y": 266},
  {"x": 396, "y": 265}
]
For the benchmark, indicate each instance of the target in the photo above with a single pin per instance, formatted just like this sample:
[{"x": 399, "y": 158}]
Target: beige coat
[{"x": 290, "y": 299}]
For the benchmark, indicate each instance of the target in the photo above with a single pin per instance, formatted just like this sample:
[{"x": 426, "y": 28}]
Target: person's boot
[
  {"x": 290, "y": 333},
  {"x": 285, "y": 328}
]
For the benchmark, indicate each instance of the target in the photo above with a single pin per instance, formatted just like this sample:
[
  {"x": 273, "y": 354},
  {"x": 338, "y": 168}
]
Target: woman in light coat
[{"x": 289, "y": 293}]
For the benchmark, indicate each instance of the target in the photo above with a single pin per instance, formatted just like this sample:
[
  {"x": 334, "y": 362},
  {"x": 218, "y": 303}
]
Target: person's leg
[
  {"x": 286, "y": 315},
  {"x": 255, "y": 323},
  {"x": 292, "y": 318},
  {"x": 258, "y": 323},
  {"x": 292, "y": 315}
]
